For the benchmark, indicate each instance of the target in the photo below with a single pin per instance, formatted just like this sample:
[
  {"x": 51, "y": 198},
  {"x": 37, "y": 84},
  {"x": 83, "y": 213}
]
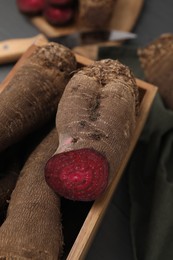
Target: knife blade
[
  {"x": 12, "y": 49},
  {"x": 92, "y": 37}
]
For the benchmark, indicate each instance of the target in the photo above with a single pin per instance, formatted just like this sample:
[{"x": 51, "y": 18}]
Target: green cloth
[
  {"x": 151, "y": 187},
  {"x": 150, "y": 172}
]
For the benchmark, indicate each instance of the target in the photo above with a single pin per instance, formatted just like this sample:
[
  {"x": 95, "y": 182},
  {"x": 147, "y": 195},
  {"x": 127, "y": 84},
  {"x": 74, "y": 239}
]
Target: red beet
[
  {"x": 78, "y": 175},
  {"x": 60, "y": 2},
  {"x": 31, "y": 6},
  {"x": 58, "y": 16}
]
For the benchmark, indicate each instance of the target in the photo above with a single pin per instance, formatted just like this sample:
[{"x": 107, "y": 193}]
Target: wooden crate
[{"x": 79, "y": 235}]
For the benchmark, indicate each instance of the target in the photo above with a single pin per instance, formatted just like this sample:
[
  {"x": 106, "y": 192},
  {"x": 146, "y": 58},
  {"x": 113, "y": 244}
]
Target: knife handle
[{"x": 11, "y": 50}]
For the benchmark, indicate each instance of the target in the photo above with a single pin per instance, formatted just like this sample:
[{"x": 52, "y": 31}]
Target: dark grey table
[{"x": 113, "y": 238}]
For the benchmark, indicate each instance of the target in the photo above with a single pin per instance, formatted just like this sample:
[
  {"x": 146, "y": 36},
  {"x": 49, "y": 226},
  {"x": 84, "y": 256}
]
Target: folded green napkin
[{"x": 150, "y": 172}]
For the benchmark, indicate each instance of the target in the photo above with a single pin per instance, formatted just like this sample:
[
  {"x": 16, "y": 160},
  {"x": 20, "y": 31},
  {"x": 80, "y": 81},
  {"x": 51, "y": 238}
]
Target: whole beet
[
  {"x": 96, "y": 119},
  {"x": 33, "y": 229},
  {"x": 57, "y": 15},
  {"x": 31, "y": 6},
  {"x": 31, "y": 97}
]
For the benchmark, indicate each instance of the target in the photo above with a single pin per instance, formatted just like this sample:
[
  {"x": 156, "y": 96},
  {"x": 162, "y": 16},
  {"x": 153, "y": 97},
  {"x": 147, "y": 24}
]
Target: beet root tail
[{"x": 80, "y": 175}]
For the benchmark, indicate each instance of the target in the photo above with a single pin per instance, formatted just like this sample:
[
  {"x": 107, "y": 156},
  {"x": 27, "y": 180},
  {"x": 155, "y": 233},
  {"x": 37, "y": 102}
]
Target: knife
[{"x": 12, "y": 49}]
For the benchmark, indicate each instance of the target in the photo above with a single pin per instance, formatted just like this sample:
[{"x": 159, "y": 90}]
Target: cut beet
[{"x": 78, "y": 175}]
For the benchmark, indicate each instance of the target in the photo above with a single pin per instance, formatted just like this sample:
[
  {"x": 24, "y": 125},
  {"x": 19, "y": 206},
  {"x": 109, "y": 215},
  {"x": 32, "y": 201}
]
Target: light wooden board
[
  {"x": 12, "y": 49},
  {"x": 98, "y": 209}
]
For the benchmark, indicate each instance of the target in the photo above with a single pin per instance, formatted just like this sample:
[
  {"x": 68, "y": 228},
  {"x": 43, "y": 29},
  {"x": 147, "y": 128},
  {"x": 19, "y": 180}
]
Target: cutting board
[{"x": 125, "y": 15}]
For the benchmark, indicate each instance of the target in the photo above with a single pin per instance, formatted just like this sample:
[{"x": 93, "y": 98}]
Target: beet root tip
[{"x": 80, "y": 175}]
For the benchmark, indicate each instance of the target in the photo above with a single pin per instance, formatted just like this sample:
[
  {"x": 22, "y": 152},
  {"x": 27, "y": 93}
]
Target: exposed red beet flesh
[
  {"x": 58, "y": 16},
  {"x": 78, "y": 175},
  {"x": 31, "y": 6}
]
